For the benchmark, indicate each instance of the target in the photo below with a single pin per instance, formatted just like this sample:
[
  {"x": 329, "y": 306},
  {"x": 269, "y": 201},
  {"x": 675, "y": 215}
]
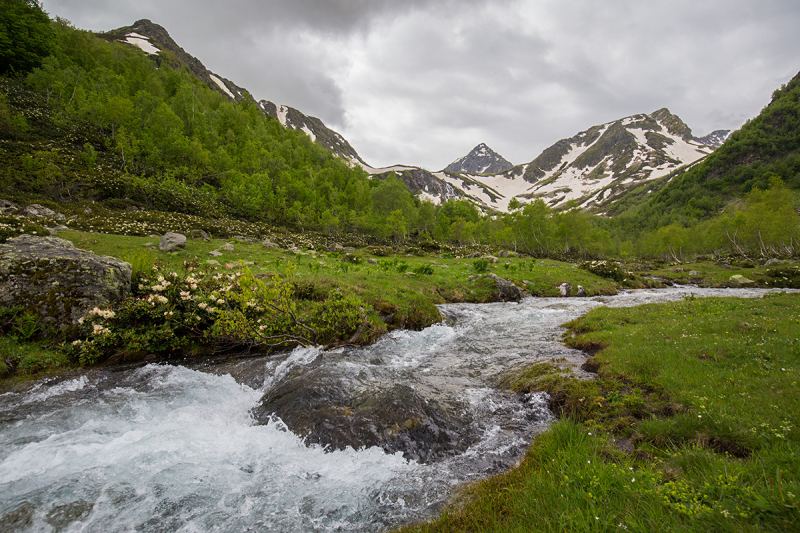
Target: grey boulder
[
  {"x": 171, "y": 242},
  {"x": 62, "y": 283}
]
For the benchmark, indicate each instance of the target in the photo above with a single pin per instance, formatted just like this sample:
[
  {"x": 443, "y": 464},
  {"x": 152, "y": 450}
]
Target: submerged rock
[
  {"x": 58, "y": 281},
  {"x": 327, "y": 409}
]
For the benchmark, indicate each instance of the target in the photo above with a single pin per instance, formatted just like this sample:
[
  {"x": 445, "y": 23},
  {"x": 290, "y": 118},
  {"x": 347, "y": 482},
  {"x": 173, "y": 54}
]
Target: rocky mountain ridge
[
  {"x": 481, "y": 160},
  {"x": 592, "y": 169}
]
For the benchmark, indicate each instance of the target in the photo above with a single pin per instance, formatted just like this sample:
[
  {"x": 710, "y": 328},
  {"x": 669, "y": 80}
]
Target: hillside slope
[
  {"x": 765, "y": 147},
  {"x": 155, "y": 41}
]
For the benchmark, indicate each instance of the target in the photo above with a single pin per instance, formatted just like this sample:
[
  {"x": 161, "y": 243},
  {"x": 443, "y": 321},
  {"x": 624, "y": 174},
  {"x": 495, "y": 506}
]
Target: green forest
[{"x": 88, "y": 120}]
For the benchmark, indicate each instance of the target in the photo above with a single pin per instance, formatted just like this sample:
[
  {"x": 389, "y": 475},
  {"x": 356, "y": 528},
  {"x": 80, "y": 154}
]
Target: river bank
[{"x": 395, "y": 289}]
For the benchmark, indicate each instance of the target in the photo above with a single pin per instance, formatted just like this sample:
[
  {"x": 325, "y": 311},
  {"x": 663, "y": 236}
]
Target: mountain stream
[{"x": 389, "y": 431}]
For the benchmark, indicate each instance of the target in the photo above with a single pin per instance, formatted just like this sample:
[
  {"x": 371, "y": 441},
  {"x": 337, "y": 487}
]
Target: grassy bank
[
  {"x": 691, "y": 425},
  {"x": 392, "y": 287}
]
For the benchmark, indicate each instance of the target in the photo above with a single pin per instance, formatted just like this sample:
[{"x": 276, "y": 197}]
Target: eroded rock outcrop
[{"x": 60, "y": 282}]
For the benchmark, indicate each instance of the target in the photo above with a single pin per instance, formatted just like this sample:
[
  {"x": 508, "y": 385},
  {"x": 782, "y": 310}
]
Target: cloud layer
[{"x": 423, "y": 81}]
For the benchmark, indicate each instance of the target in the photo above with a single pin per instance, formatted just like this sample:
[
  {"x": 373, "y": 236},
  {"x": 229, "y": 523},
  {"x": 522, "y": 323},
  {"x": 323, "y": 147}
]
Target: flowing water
[{"x": 194, "y": 449}]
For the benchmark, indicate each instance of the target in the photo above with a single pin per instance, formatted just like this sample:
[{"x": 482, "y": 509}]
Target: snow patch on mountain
[
  {"x": 222, "y": 86},
  {"x": 142, "y": 42}
]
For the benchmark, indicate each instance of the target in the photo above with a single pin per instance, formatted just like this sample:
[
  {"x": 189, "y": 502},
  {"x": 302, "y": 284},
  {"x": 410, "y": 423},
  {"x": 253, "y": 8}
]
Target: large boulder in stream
[
  {"x": 60, "y": 282},
  {"x": 328, "y": 410},
  {"x": 505, "y": 291}
]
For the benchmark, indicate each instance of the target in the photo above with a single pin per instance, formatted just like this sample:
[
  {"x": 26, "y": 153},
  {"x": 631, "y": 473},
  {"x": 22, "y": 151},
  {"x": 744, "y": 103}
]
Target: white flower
[{"x": 202, "y": 305}]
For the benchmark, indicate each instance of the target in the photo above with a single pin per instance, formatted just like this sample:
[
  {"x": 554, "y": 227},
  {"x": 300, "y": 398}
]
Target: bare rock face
[
  {"x": 171, "y": 242},
  {"x": 60, "y": 282}
]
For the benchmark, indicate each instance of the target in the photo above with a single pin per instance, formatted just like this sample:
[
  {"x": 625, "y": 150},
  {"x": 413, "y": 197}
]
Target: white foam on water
[
  {"x": 180, "y": 450},
  {"x": 57, "y": 389}
]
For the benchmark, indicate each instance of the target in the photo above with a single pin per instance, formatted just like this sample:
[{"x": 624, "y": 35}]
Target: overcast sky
[{"x": 422, "y": 82}]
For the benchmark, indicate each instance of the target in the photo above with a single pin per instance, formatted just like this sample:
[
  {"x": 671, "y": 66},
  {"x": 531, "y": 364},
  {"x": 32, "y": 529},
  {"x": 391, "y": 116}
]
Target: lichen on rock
[{"x": 62, "y": 283}]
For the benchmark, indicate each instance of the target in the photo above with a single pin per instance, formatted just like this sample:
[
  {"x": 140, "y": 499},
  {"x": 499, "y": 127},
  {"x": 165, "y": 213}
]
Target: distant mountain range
[{"x": 593, "y": 168}]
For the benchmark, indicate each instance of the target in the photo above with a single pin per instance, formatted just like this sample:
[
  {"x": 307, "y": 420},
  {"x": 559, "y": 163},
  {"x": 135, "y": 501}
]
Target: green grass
[
  {"x": 392, "y": 279},
  {"x": 718, "y": 274},
  {"x": 691, "y": 425}
]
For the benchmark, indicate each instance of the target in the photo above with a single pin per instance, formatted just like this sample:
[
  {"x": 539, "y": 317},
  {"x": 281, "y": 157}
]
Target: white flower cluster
[{"x": 104, "y": 313}]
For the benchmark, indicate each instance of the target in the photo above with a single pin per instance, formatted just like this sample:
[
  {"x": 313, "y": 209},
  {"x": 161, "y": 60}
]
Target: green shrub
[
  {"x": 423, "y": 270},
  {"x": 480, "y": 266}
]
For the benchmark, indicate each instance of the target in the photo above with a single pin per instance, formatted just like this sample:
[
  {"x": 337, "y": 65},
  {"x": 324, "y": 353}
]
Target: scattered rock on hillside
[
  {"x": 564, "y": 289},
  {"x": 492, "y": 259},
  {"x": 247, "y": 240},
  {"x": 268, "y": 244},
  {"x": 581, "y": 291},
  {"x": 741, "y": 281},
  {"x": 38, "y": 211},
  {"x": 171, "y": 242},
  {"x": 199, "y": 234},
  {"x": 55, "y": 229},
  {"x": 7, "y": 208},
  {"x": 227, "y": 247},
  {"x": 60, "y": 282}
]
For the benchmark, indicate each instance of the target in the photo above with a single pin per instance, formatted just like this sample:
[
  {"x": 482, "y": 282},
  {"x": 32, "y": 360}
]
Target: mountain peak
[{"x": 481, "y": 160}]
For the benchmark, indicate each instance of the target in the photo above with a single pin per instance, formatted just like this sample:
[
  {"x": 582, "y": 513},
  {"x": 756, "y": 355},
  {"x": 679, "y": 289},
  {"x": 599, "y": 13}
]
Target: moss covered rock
[{"x": 60, "y": 282}]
